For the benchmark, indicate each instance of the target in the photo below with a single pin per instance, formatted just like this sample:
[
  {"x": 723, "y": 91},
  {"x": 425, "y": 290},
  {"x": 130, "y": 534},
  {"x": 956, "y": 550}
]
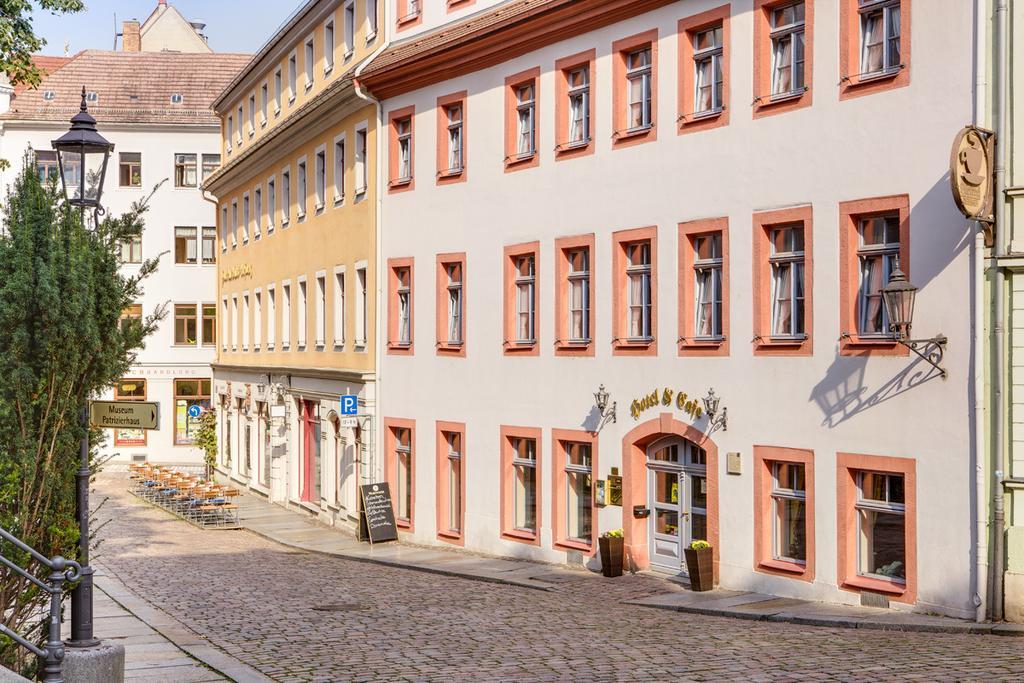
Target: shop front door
[{"x": 677, "y": 494}]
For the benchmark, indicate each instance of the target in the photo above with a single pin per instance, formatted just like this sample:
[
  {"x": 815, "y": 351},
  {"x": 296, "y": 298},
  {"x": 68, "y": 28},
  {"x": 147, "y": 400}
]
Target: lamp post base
[{"x": 81, "y": 612}]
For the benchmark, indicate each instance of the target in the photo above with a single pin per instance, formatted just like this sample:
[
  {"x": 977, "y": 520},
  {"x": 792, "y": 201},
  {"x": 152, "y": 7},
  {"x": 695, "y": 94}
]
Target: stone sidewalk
[{"x": 297, "y": 530}]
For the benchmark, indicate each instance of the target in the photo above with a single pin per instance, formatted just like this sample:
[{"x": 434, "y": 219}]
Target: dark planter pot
[
  {"x": 611, "y": 555},
  {"x": 699, "y": 565}
]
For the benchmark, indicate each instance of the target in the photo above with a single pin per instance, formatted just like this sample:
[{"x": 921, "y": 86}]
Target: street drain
[{"x": 344, "y": 607}]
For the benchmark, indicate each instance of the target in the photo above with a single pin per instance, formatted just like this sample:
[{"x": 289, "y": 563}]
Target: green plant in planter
[
  {"x": 700, "y": 545},
  {"x": 615, "y": 533}
]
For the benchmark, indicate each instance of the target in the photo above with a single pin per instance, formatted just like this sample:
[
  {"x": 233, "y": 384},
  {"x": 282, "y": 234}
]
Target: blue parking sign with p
[{"x": 349, "y": 405}]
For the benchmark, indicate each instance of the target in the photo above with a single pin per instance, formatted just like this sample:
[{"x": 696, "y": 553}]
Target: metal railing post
[{"x": 53, "y": 662}]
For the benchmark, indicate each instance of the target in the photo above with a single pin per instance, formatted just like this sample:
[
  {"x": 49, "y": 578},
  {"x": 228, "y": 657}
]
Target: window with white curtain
[
  {"x": 638, "y": 275},
  {"x": 526, "y": 299},
  {"x": 454, "y": 114},
  {"x": 878, "y": 254},
  {"x": 578, "y": 81},
  {"x": 578, "y": 492},
  {"x": 789, "y": 512},
  {"x": 707, "y": 68},
  {"x": 707, "y": 267},
  {"x": 526, "y": 107},
  {"x": 403, "y": 136},
  {"x": 454, "y": 441},
  {"x": 638, "y": 77},
  {"x": 403, "y": 471},
  {"x": 787, "y": 35},
  {"x": 879, "y": 36},
  {"x": 881, "y": 526},
  {"x": 787, "y": 262},
  {"x": 579, "y": 295},
  {"x": 453, "y": 273},
  {"x": 403, "y": 296}
]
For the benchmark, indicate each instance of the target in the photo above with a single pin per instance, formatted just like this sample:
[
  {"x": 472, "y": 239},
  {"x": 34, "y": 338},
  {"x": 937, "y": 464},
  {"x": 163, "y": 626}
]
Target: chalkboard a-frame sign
[{"x": 378, "y": 515}]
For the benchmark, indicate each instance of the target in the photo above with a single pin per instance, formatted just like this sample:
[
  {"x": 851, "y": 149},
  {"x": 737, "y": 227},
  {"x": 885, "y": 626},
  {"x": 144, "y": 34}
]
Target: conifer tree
[{"x": 62, "y": 341}]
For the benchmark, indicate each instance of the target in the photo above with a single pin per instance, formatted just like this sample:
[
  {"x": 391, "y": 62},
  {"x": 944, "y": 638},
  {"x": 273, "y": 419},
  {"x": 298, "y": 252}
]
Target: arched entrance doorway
[
  {"x": 671, "y": 469},
  {"x": 677, "y": 499}
]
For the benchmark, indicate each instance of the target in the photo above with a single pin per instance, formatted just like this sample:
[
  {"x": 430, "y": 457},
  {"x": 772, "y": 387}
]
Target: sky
[{"x": 231, "y": 25}]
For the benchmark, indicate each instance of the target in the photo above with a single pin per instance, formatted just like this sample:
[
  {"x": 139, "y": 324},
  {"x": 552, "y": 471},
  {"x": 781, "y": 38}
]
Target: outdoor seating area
[{"x": 204, "y": 503}]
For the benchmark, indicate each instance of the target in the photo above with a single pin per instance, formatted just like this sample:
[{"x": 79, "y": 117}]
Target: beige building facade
[{"x": 296, "y": 204}]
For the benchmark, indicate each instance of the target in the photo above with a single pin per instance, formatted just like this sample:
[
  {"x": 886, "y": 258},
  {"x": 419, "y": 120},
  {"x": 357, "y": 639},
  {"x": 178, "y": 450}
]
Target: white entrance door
[{"x": 677, "y": 494}]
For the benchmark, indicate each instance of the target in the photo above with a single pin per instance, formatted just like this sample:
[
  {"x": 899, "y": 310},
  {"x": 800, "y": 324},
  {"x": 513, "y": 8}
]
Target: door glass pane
[
  {"x": 666, "y": 522},
  {"x": 698, "y": 527},
  {"x": 698, "y": 492},
  {"x": 666, "y": 488}
]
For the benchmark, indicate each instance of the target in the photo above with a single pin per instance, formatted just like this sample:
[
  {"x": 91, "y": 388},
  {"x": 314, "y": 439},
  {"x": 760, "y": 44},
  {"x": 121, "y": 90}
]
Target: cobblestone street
[{"x": 301, "y": 616}]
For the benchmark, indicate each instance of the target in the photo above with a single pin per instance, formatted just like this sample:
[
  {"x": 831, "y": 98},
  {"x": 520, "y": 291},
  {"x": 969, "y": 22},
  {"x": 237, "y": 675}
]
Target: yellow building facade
[{"x": 294, "y": 380}]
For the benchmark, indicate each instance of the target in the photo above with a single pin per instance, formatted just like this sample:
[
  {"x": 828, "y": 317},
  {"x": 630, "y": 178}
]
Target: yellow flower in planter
[{"x": 700, "y": 545}]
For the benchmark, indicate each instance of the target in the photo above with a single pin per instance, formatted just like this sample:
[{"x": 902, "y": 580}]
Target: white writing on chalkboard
[{"x": 378, "y": 512}]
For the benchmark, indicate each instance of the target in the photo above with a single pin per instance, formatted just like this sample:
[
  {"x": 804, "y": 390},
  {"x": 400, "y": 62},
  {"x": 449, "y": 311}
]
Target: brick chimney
[{"x": 131, "y": 37}]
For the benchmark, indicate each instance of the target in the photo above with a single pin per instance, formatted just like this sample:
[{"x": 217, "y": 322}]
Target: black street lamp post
[{"x": 82, "y": 154}]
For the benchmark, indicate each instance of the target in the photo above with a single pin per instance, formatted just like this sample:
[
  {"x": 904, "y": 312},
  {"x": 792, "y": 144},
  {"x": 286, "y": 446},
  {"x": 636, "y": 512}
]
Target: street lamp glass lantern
[
  {"x": 601, "y": 399},
  {"x": 899, "y": 295},
  {"x": 82, "y": 154}
]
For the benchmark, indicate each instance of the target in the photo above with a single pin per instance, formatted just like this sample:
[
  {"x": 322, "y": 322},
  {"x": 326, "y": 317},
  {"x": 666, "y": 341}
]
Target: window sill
[
  {"x": 516, "y": 160},
  {"x": 450, "y": 535},
  {"x": 853, "y": 340},
  {"x": 771, "y": 101},
  {"x": 338, "y": 201},
  {"x": 284, "y": 223},
  {"x": 450, "y": 173},
  {"x": 408, "y": 19},
  {"x": 348, "y": 55},
  {"x": 632, "y": 133},
  {"x": 877, "y": 585},
  {"x": 370, "y": 37},
  {"x": 404, "y": 524},
  {"x": 794, "y": 568},
  {"x": 328, "y": 69},
  {"x": 400, "y": 182},
  {"x": 876, "y": 77},
  {"x": 699, "y": 117},
  {"x": 451, "y": 347},
  {"x": 566, "y": 150},
  {"x": 521, "y": 536},
  {"x": 567, "y": 544},
  {"x": 360, "y": 191},
  {"x": 781, "y": 342}
]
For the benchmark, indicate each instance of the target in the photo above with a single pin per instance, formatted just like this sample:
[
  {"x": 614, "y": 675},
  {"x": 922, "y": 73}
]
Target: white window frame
[
  {"x": 233, "y": 322},
  {"x": 362, "y": 305},
  {"x": 271, "y": 316},
  {"x": 644, "y": 73},
  {"x": 340, "y": 144},
  {"x": 580, "y": 279},
  {"x": 455, "y": 300},
  {"x": 526, "y": 119},
  {"x": 713, "y": 57},
  {"x": 403, "y": 303},
  {"x": 330, "y": 44},
  {"x": 286, "y": 315},
  {"x": 700, "y": 267},
  {"x": 246, "y": 322},
  {"x": 526, "y": 298},
  {"x": 234, "y": 223},
  {"x": 866, "y": 9},
  {"x": 225, "y": 331},
  {"x": 223, "y": 228},
  {"x": 257, "y": 208},
  {"x": 570, "y": 469},
  {"x": 456, "y": 141},
  {"x": 320, "y": 177},
  {"x": 302, "y": 309},
  {"x": 521, "y": 461},
  {"x": 257, "y": 319},
  {"x": 779, "y": 495},
  {"x": 403, "y": 138},
  {"x": 362, "y": 163},
  {"x": 309, "y": 57},
  {"x": 778, "y": 34},
  {"x": 301, "y": 187},
  {"x": 371, "y": 21},
  {"x": 278, "y": 90},
  {"x": 349, "y": 14},
  {"x": 286, "y": 196},
  {"x": 252, "y": 113},
  {"x": 578, "y": 111},
  {"x": 246, "y": 217},
  {"x": 264, "y": 103},
  {"x": 889, "y": 253},
  {"x": 887, "y": 507},
  {"x": 293, "y": 76},
  {"x": 340, "y": 287},
  {"x": 793, "y": 261},
  {"x": 320, "y": 322},
  {"x": 641, "y": 272},
  {"x": 271, "y": 203}
]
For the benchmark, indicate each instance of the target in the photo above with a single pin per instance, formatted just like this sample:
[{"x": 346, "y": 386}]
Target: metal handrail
[{"x": 61, "y": 570}]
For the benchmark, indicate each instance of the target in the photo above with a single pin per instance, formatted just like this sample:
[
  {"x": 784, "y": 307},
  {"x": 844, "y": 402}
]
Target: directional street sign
[
  {"x": 195, "y": 410},
  {"x": 125, "y": 414}
]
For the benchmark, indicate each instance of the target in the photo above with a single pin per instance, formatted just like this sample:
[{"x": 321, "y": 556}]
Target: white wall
[
  {"x": 161, "y": 361},
  {"x": 890, "y": 143}
]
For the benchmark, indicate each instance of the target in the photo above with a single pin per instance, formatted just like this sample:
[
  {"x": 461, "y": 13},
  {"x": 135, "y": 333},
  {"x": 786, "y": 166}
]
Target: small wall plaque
[{"x": 733, "y": 463}]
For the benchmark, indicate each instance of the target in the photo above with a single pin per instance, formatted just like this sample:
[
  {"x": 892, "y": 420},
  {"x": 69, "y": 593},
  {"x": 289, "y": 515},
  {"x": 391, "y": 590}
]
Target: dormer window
[
  {"x": 176, "y": 98},
  {"x": 92, "y": 97},
  {"x": 49, "y": 95}
]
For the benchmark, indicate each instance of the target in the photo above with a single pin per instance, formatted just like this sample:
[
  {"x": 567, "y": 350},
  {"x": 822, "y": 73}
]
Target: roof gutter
[{"x": 373, "y": 467}]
